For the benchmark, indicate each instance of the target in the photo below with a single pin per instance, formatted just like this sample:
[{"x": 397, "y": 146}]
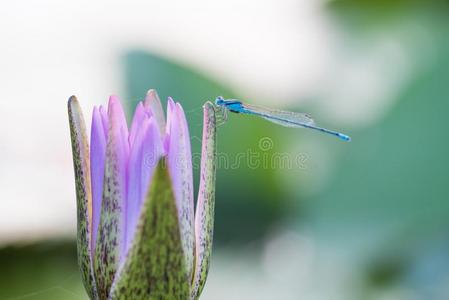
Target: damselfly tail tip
[{"x": 344, "y": 137}]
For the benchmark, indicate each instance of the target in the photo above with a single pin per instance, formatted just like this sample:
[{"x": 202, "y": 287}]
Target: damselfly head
[{"x": 219, "y": 101}]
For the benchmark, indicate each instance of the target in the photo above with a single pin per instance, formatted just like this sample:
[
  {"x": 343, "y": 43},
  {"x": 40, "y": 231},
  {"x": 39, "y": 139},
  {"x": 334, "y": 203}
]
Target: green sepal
[
  {"x": 154, "y": 267},
  {"x": 204, "y": 216},
  {"x": 81, "y": 165}
]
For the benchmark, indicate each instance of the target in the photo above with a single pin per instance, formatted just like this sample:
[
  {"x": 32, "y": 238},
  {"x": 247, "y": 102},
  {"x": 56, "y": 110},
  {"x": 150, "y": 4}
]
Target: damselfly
[{"x": 280, "y": 117}]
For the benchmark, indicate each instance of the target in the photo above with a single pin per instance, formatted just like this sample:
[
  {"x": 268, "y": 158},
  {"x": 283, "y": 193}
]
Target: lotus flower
[{"x": 138, "y": 236}]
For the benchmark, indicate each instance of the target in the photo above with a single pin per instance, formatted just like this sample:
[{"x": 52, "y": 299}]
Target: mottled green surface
[
  {"x": 155, "y": 267},
  {"x": 205, "y": 211},
  {"x": 81, "y": 163}
]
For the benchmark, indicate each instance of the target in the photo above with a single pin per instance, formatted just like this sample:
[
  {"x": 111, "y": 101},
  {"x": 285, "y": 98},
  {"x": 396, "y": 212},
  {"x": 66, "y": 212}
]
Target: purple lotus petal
[
  {"x": 140, "y": 115},
  {"x": 144, "y": 157},
  {"x": 97, "y": 159},
  {"x": 170, "y": 115},
  {"x": 143, "y": 148},
  {"x": 152, "y": 151},
  {"x": 153, "y": 102},
  {"x": 134, "y": 171},
  {"x": 104, "y": 120},
  {"x": 180, "y": 170},
  {"x": 146, "y": 150}
]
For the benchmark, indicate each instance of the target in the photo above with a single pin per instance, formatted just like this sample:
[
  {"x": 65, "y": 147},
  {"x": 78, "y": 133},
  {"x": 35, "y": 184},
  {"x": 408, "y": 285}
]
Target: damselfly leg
[{"x": 221, "y": 114}]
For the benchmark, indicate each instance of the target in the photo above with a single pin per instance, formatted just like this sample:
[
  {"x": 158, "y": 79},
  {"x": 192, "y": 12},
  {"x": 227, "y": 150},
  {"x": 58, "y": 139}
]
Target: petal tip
[
  {"x": 72, "y": 98},
  {"x": 151, "y": 93},
  {"x": 114, "y": 101},
  {"x": 73, "y": 101},
  {"x": 179, "y": 109},
  {"x": 170, "y": 101},
  {"x": 208, "y": 104},
  {"x": 209, "y": 107},
  {"x": 153, "y": 104},
  {"x": 151, "y": 97}
]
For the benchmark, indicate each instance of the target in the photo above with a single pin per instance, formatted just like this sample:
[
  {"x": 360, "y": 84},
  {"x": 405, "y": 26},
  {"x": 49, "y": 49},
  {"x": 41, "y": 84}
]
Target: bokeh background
[{"x": 362, "y": 220}]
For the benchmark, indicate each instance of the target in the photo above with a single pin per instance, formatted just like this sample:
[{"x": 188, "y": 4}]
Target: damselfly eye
[{"x": 219, "y": 100}]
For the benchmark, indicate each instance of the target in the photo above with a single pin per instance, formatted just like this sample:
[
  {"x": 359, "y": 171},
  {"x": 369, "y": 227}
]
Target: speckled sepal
[
  {"x": 111, "y": 232},
  {"x": 155, "y": 268},
  {"x": 204, "y": 216},
  {"x": 81, "y": 163}
]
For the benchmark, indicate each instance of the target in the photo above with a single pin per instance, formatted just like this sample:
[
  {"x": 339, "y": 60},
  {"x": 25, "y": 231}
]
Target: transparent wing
[{"x": 281, "y": 117}]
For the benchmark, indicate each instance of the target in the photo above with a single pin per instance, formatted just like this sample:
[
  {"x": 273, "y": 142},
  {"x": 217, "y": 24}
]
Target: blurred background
[{"x": 322, "y": 219}]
